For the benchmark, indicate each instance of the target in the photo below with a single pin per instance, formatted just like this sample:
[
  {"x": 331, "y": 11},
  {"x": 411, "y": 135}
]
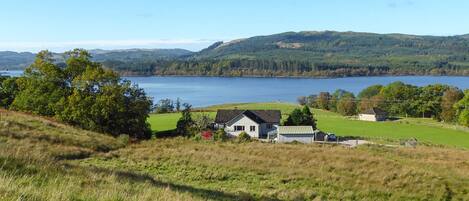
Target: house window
[
  {"x": 269, "y": 126},
  {"x": 252, "y": 128},
  {"x": 239, "y": 128}
]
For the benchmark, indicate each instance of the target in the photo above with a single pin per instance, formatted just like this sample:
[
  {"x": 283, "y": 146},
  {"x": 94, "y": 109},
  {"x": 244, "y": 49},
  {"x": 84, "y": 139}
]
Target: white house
[
  {"x": 303, "y": 134},
  {"x": 256, "y": 123},
  {"x": 373, "y": 114}
]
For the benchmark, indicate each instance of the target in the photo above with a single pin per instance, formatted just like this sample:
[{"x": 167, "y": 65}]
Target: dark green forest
[{"x": 310, "y": 54}]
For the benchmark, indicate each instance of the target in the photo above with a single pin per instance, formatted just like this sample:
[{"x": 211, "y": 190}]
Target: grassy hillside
[
  {"x": 425, "y": 130},
  {"x": 36, "y": 157},
  {"x": 39, "y": 160}
]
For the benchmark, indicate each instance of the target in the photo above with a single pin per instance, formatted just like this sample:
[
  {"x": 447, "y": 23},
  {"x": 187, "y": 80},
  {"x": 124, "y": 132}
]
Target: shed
[
  {"x": 303, "y": 134},
  {"x": 373, "y": 114}
]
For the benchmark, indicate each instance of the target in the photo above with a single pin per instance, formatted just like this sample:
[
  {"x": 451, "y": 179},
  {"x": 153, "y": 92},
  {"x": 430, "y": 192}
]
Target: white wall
[
  {"x": 303, "y": 138},
  {"x": 367, "y": 117},
  {"x": 242, "y": 121}
]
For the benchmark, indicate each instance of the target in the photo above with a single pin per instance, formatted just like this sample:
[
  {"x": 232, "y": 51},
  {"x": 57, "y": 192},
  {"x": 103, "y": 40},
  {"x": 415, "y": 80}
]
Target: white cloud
[{"x": 192, "y": 44}]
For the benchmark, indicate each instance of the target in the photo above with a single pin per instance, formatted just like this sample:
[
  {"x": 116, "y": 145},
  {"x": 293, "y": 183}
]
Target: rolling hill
[{"x": 308, "y": 53}]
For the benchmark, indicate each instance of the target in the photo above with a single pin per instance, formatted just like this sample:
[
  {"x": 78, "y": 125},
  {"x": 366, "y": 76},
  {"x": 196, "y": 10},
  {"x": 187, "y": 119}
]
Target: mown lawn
[{"x": 425, "y": 130}]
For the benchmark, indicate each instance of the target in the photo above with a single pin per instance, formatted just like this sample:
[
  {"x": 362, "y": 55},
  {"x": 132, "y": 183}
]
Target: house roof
[
  {"x": 295, "y": 130},
  {"x": 375, "y": 111},
  {"x": 259, "y": 116}
]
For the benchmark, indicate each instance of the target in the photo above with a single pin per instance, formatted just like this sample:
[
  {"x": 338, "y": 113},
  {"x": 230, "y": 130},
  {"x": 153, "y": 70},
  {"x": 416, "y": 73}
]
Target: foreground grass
[
  {"x": 301, "y": 172},
  {"x": 425, "y": 130},
  {"x": 35, "y": 155},
  {"x": 42, "y": 160}
]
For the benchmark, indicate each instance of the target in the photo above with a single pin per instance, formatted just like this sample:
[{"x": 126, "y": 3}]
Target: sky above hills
[{"x": 57, "y": 25}]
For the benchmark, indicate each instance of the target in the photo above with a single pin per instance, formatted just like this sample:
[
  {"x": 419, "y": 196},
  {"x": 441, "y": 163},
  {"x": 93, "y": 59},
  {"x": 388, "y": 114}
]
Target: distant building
[
  {"x": 256, "y": 123},
  {"x": 373, "y": 114}
]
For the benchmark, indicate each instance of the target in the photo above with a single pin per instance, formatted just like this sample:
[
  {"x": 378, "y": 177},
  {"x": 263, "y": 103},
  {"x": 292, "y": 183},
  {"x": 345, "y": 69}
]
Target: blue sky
[{"x": 58, "y": 25}]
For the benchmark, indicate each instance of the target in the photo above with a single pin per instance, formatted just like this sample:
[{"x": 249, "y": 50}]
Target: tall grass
[{"x": 44, "y": 160}]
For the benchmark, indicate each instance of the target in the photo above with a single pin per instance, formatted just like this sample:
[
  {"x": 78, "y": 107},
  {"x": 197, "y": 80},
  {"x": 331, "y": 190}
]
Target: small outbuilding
[
  {"x": 303, "y": 134},
  {"x": 373, "y": 114}
]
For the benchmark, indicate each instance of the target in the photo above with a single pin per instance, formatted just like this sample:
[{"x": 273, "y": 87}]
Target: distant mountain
[
  {"x": 14, "y": 60},
  {"x": 308, "y": 53},
  {"x": 339, "y": 46}
]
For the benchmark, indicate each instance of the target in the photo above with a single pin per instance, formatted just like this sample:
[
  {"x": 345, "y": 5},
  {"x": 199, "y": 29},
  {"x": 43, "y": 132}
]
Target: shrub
[
  {"x": 207, "y": 135},
  {"x": 124, "y": 139},
  {"x": 244, "y": 137},
  {"x": 220, "y": 135}
]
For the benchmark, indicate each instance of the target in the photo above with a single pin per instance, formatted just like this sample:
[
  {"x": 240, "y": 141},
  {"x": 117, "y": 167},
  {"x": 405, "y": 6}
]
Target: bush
[
  {"x": 207, "y": 135},
  {"x": 124, "y": 139},
  {"x": 244, "y": 137},
  {"x": 220, "y": 135}
]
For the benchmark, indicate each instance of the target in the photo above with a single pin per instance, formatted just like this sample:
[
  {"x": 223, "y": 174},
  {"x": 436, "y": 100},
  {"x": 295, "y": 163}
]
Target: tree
[
  {"x": 302, "y": 117},
  {"x": 84, "y": 94},
  {"x": 370, "y": 91},
  {"x": 347, "y": 105},
  {"x": 450, "y": 97},
  {"x": 164, "y": 106},
  {"x": 462, "y": 108},
  {"x": 323, "y": 100},
  {"x": 178, "y": 104},
  {"x": 399, "y": 98},
  {"x": 302, "y": 100},
  {"x": 295, "y": 118},
  {"x": 8, "y": 90},
  {"x": 368, "y": 103},
  {"x": 185, "y": 122},
  {"x": 41, "y": 87},
  {"x": 428, "y": 102},
  {"x": 308, "y": 117},
  {"x": 202, "y": 121}
]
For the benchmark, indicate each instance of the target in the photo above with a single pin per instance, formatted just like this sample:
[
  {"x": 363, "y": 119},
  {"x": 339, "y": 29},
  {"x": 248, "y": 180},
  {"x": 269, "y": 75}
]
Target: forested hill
[
  {"x": 336, "y": 54},
  {"x": 304, "y": 54},
  {"x": 15, "y": 60}
]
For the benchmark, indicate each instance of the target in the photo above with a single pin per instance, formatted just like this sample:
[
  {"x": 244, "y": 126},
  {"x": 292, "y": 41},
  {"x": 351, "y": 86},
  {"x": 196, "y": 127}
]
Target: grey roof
[
  {"x": 375, "y": 111},
  {"x": 295, "y": 130},
  {"x": 259, "y": 116}
]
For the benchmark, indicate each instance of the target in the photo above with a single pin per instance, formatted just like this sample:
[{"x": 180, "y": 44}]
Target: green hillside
[
  {"x": 41, "y": 159},
  {"x": 330, "y": 53}
]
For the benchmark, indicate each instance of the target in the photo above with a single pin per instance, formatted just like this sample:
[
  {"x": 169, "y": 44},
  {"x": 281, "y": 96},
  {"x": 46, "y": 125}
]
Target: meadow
[
  {"x": 424, "y": 130},
  {"x": 41, "y": 159}
]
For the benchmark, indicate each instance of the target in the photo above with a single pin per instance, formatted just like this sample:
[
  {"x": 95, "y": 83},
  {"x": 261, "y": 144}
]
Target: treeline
[
  {"x": 275, "y": 68},
  {"x": 79, "y": 92},
  {"x": 441, "y": 102}
]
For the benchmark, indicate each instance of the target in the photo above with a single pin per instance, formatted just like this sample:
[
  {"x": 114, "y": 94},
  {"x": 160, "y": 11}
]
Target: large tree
[
  {"x": 85, "y": 94},
  {"x": 346, "y": 105},
  {"x": 450, "y": 97}
]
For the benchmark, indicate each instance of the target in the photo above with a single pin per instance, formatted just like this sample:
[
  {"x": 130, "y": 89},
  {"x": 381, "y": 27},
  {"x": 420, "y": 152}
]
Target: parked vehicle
[{"x": 331, "y": 137}]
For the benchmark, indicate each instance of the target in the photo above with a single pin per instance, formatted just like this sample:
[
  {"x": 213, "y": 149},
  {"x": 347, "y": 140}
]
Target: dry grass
[
  {"x": 43, "y": 160},
  {"x": 266, "y": 171}
]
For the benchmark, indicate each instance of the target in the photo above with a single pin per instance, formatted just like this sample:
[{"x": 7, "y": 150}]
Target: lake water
[{"x": 204, "y": 91}]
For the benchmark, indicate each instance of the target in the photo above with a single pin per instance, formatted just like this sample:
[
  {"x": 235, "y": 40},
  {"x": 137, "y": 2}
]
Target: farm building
[
  {"x": 303, "y": 134},
  {"x": 373, "y": 114}
]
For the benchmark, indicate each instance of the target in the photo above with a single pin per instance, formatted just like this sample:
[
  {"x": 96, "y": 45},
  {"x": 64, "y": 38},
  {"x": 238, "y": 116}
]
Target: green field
[{"x": 425, "y": 130}]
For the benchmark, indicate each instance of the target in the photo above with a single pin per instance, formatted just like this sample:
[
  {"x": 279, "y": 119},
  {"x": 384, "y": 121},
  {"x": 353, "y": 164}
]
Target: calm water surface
[{"x": 204, "y": 91}]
